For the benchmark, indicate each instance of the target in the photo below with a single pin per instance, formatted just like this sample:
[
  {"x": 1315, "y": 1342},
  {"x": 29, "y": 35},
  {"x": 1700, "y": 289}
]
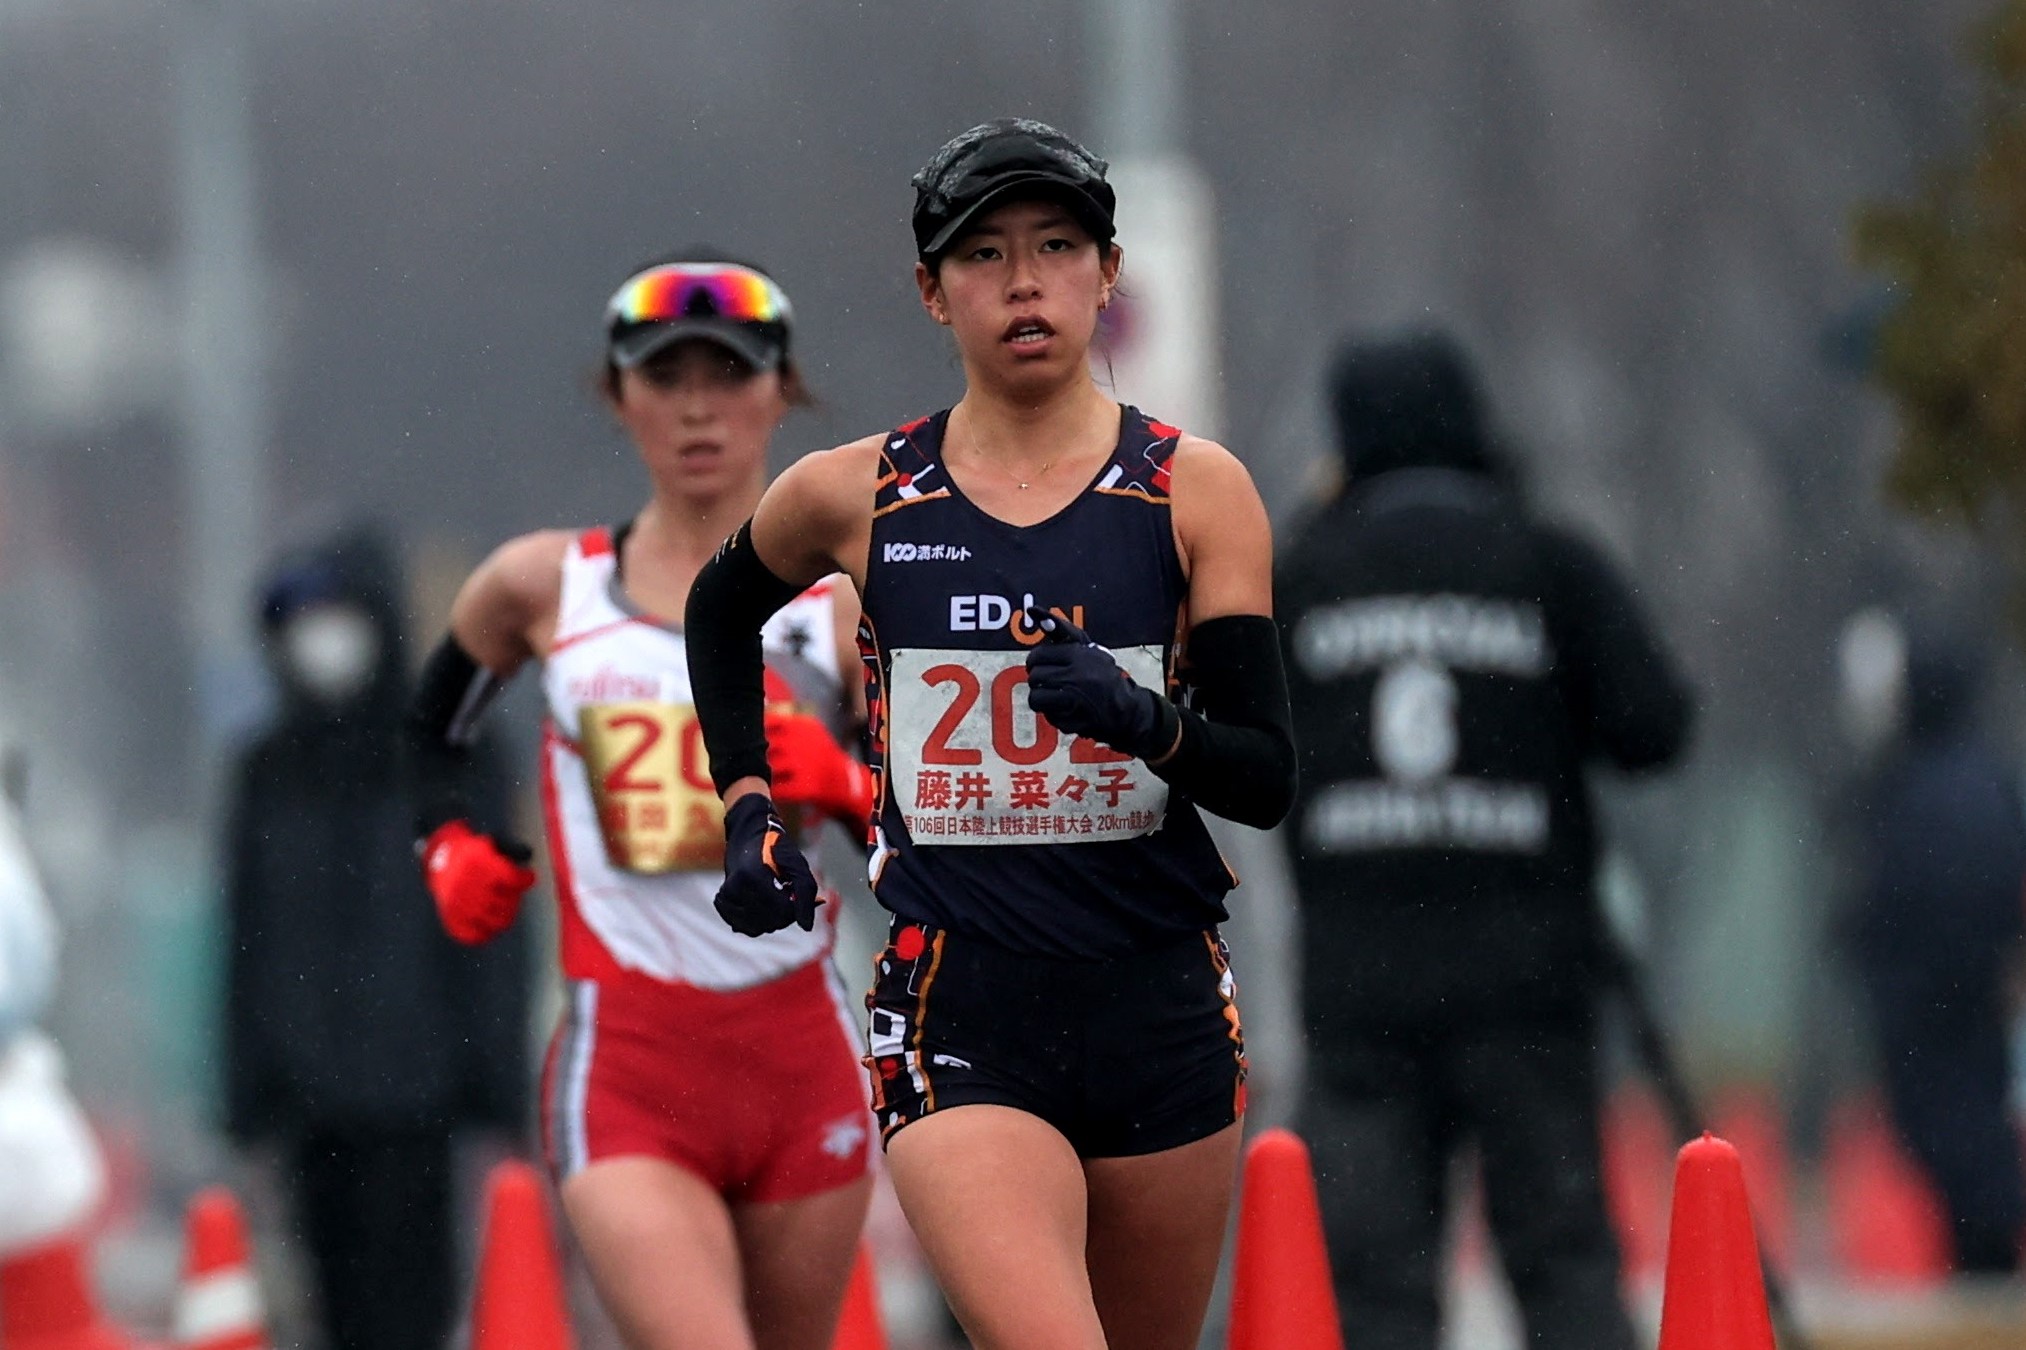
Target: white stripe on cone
[{"x": 213, "y": 1306}]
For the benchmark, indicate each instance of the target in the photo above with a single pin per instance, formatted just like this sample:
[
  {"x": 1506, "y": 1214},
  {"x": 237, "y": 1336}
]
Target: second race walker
[{"x": 703, "y": 1109}]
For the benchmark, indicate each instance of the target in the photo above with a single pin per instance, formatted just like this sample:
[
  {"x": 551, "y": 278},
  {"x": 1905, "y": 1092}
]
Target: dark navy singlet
[{"x": 991, "y": 822}]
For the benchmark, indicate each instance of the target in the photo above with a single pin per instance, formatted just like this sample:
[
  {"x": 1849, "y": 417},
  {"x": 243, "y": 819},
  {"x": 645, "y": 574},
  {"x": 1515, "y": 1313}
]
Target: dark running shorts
[{"x": 1124, "y": 1057}]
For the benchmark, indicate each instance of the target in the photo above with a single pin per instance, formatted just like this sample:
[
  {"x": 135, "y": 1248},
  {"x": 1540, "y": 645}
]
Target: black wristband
[
  {"x": 451, "y": 694},
  {"x": 1236, "y": 757},
  {"x": 733, "y": 596}
]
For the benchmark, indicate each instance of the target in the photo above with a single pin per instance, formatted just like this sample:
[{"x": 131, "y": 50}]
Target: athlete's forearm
[
  {"x": 733, "y": 596},
  {"x": 451, "y": 695},
  {"x": 1235, "y": 754}
]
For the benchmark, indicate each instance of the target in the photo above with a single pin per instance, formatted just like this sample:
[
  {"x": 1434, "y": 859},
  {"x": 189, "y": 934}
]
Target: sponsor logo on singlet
[
  {"x": 608, "y": 684},
  {"x": 991, "y": 613},
  {"x": 901, "y": 551}
]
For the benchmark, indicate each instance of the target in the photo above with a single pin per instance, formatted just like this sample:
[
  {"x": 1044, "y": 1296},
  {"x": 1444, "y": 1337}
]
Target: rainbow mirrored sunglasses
[{"x": 698, "y": 290}]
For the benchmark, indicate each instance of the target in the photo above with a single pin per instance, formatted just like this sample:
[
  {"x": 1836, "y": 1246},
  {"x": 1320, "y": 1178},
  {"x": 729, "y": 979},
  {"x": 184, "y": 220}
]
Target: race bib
[
  {"x": 971, "y": 763},
  {"x": 657, "y": 810}
]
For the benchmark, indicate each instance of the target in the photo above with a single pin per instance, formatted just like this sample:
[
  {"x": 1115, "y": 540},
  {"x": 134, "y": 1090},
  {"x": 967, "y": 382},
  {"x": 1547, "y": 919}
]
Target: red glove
[
  {"x": 811, "y": 769},
  {"x": 477, "y": 881}
]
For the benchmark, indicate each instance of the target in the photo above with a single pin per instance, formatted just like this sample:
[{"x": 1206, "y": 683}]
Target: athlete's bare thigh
[
  {"x": 996, "y": 1198},
  {"x": 1156, "y": 1231}
]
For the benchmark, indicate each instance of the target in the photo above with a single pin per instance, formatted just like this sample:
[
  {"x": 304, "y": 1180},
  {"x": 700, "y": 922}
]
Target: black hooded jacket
[
  {"x": 1453, "y": 667},
  {"x": 347, "y": 1006}
]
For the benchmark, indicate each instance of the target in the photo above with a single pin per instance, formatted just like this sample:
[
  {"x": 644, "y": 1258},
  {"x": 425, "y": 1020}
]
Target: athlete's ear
[
  {"x": 1110, "y": 263},
  {"x": 931, "y": 287}
]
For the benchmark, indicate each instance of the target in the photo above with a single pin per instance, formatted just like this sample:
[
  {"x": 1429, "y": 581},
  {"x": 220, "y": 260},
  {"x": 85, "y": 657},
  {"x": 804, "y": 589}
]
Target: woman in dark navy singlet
[{"x": 1068, "y": 650}]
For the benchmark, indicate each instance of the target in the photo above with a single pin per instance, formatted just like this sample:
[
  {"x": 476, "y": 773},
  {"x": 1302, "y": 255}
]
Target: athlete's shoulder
[
  {"x": 534, "y": 561},
  {"x": 841, "y": 468},
  {"x": 523, "y": 577},
  {"x": 1201, "y": 465}
]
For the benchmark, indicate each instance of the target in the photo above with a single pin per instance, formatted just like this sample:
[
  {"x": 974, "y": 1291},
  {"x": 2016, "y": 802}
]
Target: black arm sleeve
[
  {"x": 1628, "y": 703},
  {"x": 1236, "y": 757},
  {"x": 732, "y": 597},
  {"x": 442, "y": 723}
]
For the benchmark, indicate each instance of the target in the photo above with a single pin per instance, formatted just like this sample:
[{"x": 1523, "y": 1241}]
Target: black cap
[
  {"x": 733, "y": 304},
  {"x": 1007, "y": 157}
]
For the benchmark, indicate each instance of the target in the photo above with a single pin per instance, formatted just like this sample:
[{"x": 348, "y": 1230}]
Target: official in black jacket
[
  {"x": 358, "y": 1037},
  {"x": 1454, "y": 667}
]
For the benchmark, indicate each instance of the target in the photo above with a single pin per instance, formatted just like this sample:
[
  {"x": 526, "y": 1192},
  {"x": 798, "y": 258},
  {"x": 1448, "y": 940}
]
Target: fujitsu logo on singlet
[{"x": 610, "y": 685}]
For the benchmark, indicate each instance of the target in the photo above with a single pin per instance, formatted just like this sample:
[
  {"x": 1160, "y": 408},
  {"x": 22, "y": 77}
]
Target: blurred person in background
[
  {"x": 1937, "y": 938},
  {"x": 359, "y": 1039},
  {"x": 51, "y": 1173},
  {"x": 703, "y": 1109},
  {"x": 1455, "y": 666}
]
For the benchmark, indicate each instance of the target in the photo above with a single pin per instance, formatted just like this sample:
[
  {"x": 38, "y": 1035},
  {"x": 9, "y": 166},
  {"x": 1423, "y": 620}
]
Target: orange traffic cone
[
  {"x": 1281, "y": 1294},
  {"x": 1714, "y": 1297},
  {"x": 218, "y": 1306},
  {"x": 519, "y": 1304},
  {"x": 858, "y": 1326},
  {"x": 46, "y": 1301}
]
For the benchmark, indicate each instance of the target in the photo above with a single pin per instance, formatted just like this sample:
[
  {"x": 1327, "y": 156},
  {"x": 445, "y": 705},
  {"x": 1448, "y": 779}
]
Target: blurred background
[{"x": 266, "y": 265}]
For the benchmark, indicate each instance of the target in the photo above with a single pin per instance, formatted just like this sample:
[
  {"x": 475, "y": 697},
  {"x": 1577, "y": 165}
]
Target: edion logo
[
  {"x": 906, "y": 553},
  {"x": 988, "y": 613}
]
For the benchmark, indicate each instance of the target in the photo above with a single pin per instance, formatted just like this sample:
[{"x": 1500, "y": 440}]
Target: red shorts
[{"x": 759, "y": 1091}]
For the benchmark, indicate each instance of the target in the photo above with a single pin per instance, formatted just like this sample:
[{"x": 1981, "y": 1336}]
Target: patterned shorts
[{"x": 1126, "y": 1056}]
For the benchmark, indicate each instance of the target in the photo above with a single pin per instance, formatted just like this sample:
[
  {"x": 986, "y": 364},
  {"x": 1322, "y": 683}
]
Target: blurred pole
[
  {"x": 1157, "y": 346},
  {"x": 1138, "y": 74},
  {"x": 223, "y": 394}
]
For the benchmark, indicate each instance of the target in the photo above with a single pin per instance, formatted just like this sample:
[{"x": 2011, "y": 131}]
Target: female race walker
[
  {"x": 1057, "y": 1063},
  {"x": 703, "y": 1110}
]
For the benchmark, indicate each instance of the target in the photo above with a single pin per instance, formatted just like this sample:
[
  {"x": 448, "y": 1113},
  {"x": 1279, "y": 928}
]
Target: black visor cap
[{"x": 1007, "y": 160}]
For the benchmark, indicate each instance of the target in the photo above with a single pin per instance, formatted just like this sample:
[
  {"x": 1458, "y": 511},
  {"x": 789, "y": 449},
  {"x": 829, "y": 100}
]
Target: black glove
[
  {"x": 1078, "y": 686},
  {"x": 768, "y": 884}
]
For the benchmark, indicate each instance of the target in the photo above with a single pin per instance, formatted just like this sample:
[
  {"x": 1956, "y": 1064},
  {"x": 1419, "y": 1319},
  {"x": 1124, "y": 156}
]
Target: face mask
[{"x": 331, "y": 651}]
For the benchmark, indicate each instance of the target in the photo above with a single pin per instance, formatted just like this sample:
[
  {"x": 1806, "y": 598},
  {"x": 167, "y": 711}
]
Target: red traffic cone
[
  {"x": 519, "y": 1304},
  {"x": 46, "y": 1301},
  {"x": 1751, "y": 1121},
  {"x": 858, "y": 1326},
  {"x": 1714, "y": 1298},
  {"x": 1281, "y": 1294},
  {"x": 218, "y": 1306}
]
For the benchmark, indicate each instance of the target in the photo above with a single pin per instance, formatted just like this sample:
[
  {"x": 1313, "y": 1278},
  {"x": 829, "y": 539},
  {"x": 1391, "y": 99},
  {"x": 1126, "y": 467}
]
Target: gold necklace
[{"x": 1012, "y": 477}]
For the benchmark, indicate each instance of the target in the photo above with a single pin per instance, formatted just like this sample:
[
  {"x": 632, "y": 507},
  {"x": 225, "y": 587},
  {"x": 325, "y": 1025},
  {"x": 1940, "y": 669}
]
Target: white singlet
[{"x": 636, "y": 832}]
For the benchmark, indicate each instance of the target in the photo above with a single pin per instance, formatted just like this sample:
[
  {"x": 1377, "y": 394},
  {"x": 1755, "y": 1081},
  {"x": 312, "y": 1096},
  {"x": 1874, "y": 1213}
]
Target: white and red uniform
[{"x": 729, "y": 1055}]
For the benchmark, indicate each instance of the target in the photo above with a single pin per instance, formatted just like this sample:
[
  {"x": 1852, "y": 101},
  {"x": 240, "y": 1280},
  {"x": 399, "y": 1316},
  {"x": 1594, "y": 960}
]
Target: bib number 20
[{"x": 1005, "y": 740}]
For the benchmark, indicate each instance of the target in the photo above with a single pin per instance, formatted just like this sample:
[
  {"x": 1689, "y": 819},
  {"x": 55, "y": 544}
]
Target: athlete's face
[
  {"x": 1022, "y": 292},
  {"x": 701, "y": 417}
]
